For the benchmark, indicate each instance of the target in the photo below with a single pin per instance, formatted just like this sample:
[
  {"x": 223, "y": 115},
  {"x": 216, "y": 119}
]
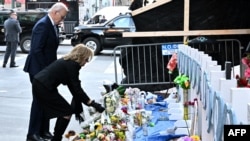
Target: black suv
[
  {"x": 105, "y": 35},
  {"x": 27, "y": 20}
]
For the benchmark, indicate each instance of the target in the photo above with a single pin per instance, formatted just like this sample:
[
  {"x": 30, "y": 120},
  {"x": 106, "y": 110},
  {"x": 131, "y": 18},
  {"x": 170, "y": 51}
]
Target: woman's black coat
[{"x": 45, "y": 86}]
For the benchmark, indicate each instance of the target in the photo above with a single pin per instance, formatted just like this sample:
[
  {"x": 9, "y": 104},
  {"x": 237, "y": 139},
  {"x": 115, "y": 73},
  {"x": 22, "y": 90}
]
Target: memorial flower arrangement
[
  {"x": 189, "y": 138},
  {"x": 115, "y": 130},
  {"x": 242, "y": 81},
  {"x": 116, "y": 123},
  {"x": 183, "y": 82},
  {"x": 246, "y": 62},
  {"x": 111, "y": 125}
]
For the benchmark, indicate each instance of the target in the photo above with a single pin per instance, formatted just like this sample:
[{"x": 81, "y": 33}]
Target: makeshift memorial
[
  {"x": 111, "y": 125},
  {"x": 113, "y": 129},
  {"x": 118, "y": 123}
]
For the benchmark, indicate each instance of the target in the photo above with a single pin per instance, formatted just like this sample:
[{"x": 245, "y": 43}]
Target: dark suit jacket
[
  {"x": 12, "y": 29},
  {"x": 44, "y": 44}
]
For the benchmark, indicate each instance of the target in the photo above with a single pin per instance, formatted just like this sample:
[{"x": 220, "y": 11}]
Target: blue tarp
[{"x": 159, "y": 112}]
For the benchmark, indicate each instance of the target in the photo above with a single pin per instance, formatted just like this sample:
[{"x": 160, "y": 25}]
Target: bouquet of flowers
[
  {"x": 242, "y": 81},
  {"x": 184, "y": 83},
  {"x": 246, "y": 62}
]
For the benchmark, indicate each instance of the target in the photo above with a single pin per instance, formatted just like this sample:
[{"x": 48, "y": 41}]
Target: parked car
[
  {"x": 27, "y": 20},
  {"x": 105, "y": 35}
]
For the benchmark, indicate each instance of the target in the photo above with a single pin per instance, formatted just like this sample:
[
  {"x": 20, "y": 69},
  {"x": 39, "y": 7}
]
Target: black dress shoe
[
  {"x": 34, "y": 138},
  {"x": 46, "y": 135},
  {"x": 13, "y": 66},
  {"x": 4, "y": 66}
]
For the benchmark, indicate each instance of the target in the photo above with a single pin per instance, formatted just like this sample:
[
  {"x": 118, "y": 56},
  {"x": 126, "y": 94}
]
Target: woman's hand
[{"x": 97, "y": 106}]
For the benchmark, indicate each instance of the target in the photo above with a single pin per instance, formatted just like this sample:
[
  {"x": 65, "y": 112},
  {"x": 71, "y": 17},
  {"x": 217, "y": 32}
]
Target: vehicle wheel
[
  {"x": 25, "y": 44},
  {"x": 93, "y": 43}
]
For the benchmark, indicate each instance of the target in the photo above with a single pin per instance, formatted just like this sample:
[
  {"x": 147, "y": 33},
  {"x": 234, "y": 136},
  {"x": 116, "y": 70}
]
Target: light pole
[
  {"x": 13, "y": 4},
  {"x": 95, "y": 5}
]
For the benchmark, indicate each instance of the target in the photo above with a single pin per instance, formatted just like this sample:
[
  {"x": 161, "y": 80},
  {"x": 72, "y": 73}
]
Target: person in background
[
  {"x": 12, "y": 29},
  {"x": 103, "y": 19},
  {"x": 64, "y": 71},
  {"x": 86, "y": 16},
  {"x": 43, "y": 51}
]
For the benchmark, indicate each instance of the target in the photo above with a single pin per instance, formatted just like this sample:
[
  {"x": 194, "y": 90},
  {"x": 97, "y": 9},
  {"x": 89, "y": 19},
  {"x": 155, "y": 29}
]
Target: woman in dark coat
[{"x": 63, "y": 71}]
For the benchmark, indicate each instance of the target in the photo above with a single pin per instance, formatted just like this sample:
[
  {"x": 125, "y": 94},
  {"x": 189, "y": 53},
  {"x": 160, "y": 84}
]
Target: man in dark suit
[
  {"x": 12, "y": 29},
  {"x": 44, "y": 44}
]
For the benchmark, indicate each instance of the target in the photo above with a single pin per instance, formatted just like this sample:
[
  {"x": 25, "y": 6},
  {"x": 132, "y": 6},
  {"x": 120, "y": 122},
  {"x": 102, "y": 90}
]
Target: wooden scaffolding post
[{"x": 186, "y": 19}]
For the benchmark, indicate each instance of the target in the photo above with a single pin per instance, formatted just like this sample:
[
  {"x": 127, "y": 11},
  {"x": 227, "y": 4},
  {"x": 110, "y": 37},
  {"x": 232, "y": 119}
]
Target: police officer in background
[{"x": 12, "y": 29}]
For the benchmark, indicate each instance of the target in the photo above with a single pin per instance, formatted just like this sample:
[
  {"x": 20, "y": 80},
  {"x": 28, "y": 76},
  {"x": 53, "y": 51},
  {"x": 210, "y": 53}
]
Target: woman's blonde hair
[{"x": 80, "y": 53}]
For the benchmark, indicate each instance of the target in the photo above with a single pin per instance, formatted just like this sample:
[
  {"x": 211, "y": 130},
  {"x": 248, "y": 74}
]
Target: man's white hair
[{"x": 58, "y": 6}]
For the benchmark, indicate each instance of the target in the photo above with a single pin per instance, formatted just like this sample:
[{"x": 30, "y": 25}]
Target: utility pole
[
  {"x": 96, "y": 8},
  {"x": 13, "y": 4}
]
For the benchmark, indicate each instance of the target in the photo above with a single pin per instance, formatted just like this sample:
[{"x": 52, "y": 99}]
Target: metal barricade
[
  {"x": 222, "y": 50},
  {"x": 144, "y": 65},
  {"x": 69, "y": 27}
]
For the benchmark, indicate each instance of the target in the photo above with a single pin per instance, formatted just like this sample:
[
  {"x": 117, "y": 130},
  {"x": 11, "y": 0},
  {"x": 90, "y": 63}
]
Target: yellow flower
[
  {"x": 195, "y": 138},
  {"x": 182, "y": 81}
]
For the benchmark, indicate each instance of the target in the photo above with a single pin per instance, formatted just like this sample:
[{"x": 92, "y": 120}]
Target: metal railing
[
  {"x": 145, "y": 64},
  {"x": 69, "y": 27}
]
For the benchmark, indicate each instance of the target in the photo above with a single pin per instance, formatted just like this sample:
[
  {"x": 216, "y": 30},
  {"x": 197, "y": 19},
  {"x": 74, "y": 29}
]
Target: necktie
[{"x": 56, "y": 30}]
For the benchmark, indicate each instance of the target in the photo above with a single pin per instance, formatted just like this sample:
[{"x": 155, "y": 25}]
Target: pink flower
[
  {"x": 246, "y": 61},
  {"x": 187, "y": 138},
  {"x": 172, "y": 63},
  {"x": 247, "y": 73}
]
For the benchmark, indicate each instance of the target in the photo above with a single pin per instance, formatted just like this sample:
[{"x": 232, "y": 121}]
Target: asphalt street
[{"x": 16, "y": 96}]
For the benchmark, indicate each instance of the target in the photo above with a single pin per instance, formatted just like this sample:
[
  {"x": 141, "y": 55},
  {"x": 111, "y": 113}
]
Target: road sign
[{"x": 169, "y": 49}]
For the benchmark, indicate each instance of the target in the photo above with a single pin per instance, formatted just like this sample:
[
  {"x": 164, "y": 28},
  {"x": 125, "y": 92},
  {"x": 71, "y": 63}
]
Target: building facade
[{"x": 87, "y": 8}]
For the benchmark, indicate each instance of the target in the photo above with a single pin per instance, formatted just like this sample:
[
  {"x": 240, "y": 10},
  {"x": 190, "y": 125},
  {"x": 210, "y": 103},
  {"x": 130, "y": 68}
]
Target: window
[
  {"x": 3, "y": 17},
  {"x": 30, "y": 18},
  {"x": 122, "y": 22}
]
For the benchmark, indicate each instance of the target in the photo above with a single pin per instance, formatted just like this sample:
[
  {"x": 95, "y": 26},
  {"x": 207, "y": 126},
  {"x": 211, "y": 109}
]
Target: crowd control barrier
[{"x": 145, "y": 64}]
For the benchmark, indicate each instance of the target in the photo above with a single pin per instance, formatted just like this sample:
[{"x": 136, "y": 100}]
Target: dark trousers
[
  {"x": 38, "y": 123},
  {"x": 11, "y": 48}
]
